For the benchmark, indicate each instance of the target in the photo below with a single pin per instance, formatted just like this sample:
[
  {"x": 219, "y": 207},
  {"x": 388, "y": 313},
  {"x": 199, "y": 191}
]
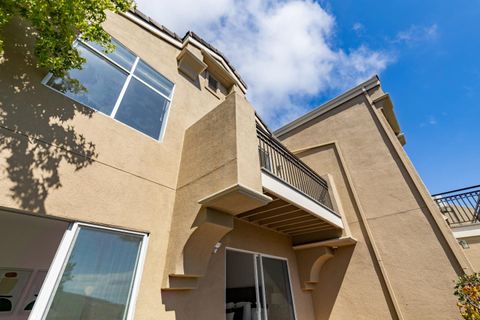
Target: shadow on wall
[
  {"x": 331, "y": 279},
  {"x": 36, "y": 135}
]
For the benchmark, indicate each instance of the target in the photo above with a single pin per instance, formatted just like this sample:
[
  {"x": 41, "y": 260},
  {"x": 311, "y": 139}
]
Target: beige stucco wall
[
  {"x": 195, "y": 304},
  {"x": 60, "y": 159},
  {"x": 351, "y": 273},
  {"x": 473, "y": 252},
  {"x": 216, "y": 153},
  {"x": 416, "y": 263},
  {"x": 100, "y": 170}
]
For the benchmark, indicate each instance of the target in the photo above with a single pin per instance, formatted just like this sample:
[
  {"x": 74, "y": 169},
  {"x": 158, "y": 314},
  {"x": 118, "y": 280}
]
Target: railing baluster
[
  {"x": 461, "y": 206},
  {"x": 280, "y": 162}
]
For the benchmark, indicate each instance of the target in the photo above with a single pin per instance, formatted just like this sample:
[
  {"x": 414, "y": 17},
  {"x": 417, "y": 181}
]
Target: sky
[{"x": 296, "y": 55}]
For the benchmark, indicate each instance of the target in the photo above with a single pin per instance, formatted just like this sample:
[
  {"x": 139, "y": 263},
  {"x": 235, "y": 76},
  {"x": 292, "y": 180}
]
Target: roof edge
[
  {"x": 138, "y": 17},
  {"x": 329, "y": 105},
  {"x": 385, "y": 103}
]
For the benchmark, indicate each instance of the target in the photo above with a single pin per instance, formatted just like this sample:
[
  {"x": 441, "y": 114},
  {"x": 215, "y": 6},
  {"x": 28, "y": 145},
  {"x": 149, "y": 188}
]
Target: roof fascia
[
  {"x": 384, "y": 102},
  {"x": 152, "y": 29}
]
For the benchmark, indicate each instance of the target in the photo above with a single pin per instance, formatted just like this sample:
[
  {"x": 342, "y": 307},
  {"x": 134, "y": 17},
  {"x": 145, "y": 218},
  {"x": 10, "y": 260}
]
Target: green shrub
[{"x": 467, "y": 290}]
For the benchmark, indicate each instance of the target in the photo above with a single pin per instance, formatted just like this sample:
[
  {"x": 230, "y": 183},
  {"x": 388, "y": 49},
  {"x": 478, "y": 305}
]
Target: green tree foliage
[
  {"x": 57, "y": 23},
  {"x": 467, "y": 291}
]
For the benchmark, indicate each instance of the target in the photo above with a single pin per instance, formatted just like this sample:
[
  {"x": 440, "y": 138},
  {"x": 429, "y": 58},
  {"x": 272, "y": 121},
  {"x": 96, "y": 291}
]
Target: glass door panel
[
  {"x": 257, "y": 287},
  {"x": 96, "y": 282},
  {"x": 241, "y": 290},
  {"x": 278, "y": 295}
]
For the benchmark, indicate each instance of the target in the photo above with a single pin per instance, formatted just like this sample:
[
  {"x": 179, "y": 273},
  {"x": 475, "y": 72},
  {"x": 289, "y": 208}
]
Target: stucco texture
[{"x": 416, "y": 262}]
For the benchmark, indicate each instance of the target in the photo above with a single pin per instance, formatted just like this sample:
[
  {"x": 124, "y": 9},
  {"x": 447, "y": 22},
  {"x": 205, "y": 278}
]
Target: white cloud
[
  {"x": 416, "y": 34},
  {"x": 430, "y": 120},
  {"x": 184, "y": 15},
  {"x": 283, "y": 49},
  {"x": 358, "y": 27}
]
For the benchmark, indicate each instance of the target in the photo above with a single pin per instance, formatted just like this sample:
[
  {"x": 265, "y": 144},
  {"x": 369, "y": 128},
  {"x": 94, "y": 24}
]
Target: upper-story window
[
  {"x": 120, "y": 85},
  {"x": 212, "y": 83}
]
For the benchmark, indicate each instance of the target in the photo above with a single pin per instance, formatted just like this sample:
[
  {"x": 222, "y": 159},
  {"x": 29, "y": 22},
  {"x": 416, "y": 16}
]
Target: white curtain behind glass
[{"x": 98, "y": 276}]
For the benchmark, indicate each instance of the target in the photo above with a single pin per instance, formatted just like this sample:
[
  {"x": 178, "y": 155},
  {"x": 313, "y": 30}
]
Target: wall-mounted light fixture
[
  {"x": 464, "y": 244},
  {"x": 216, "y": 247}
]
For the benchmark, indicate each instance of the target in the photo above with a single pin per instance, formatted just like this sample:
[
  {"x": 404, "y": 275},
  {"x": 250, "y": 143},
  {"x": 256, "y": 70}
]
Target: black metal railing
[
  {"x": 460, "y": 206},
  {"x": 284, "y": 165}
]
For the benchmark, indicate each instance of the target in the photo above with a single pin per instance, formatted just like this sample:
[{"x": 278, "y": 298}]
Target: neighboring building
[
  {"x": 461, "y": 209},
  {"x": 150, "y": 189}
]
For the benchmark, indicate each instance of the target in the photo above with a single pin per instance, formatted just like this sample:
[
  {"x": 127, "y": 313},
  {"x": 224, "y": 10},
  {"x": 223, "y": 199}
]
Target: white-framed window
[
  {"x": 257, "y": 286},
  {"x": 95, "y": 275},
  {"x": 120, "y": 85}
]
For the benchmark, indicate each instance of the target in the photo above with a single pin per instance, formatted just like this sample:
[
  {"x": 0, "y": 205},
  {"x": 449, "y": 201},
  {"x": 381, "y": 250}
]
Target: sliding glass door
[{"x": 257, "y": 287}]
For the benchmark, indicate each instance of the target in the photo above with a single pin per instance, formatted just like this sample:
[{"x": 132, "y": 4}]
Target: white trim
[
  {"x": 55, "y": 269},
  {"x": 124, "y": 89},
  {"x": 129, "y": 74},
  {"x": 130, "y": 71},
  {"x": 332, "y": 104},
  {"x": 291, "y": 292},
  {"x": 45, "y": 80},
  {"x": 293, "y": 196},
  {"x": 166, "y": 115},
  {"x": 472, "y": 230},
  {"x": 331, "y": 243},
  {"x": 264, "y": 295},
  {"x": 240, "y": 188},
  {"x": 137, "y": 278},
  {"x": 107, "y": 115},
  {"x": 55, "y": 272},
  {"x": 257, "y": 286},
  {"x": 103, "y": 55}
]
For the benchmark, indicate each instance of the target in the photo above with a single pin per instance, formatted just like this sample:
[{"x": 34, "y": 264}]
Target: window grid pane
[
  {"x": 110, "y": 83},
  {"x": 142, "y": 109},
  {"x": 121, "y": 55},
  {"x": 97, "y": 84},
  {"x": 153, "y": 78},
  {"x": 97, "y": 279}
]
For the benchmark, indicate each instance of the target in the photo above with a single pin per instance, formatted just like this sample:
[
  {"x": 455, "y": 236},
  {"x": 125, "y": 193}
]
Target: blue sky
[
  {"x": 434, "y": 79},
  {"x": 297, "y": 54}
]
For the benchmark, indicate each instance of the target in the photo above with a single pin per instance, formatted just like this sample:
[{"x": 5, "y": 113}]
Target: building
[
  {"x": 461, "y": 209},
  {"x": 150, "y": 189}
]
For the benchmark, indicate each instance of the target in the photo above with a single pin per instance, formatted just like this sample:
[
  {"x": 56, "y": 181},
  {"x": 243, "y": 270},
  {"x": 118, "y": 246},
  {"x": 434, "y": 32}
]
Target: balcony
[
  {"x": 301, "y": 206},
  {"x": 461, "y": 207},
  {"x": 279, "y": 162}
]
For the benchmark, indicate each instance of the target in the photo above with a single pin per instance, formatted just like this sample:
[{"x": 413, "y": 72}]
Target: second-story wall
[
  {"x": 403, "y": 257},
  {"x": 82, "y": 137}
]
